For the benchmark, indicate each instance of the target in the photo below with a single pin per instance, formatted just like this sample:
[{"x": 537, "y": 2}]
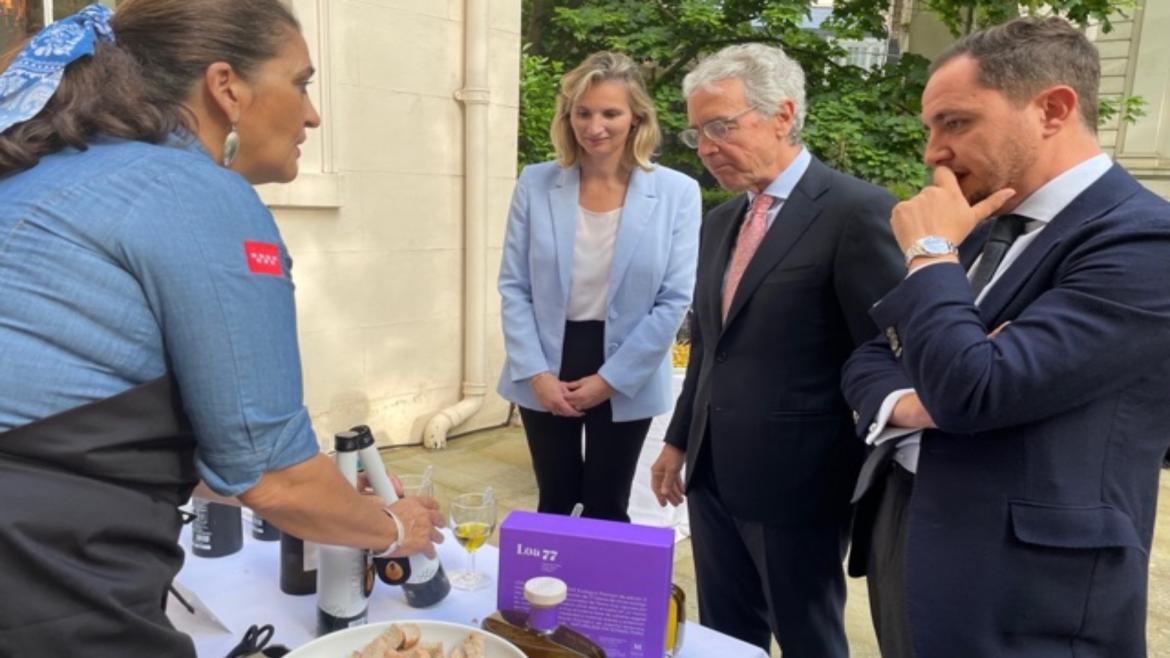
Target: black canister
[
  {"x": 218, "y": 529},
  {"x": 263, "y": 530}
]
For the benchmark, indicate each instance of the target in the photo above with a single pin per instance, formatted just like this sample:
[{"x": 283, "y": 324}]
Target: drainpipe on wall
[{"x": 475, "y": 96}]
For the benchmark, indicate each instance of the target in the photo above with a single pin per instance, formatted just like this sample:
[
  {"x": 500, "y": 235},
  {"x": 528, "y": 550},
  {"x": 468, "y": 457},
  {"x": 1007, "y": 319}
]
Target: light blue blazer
[{"x": 650, "y": 284}]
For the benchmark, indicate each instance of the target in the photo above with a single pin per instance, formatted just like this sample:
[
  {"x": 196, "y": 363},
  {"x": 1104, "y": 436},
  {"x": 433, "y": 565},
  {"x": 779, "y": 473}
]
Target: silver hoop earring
[{"x": 231, "y": 147}]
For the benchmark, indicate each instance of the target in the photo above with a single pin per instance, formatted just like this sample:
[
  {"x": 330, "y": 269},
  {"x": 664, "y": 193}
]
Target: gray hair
[{"x": 769, "y": 77}]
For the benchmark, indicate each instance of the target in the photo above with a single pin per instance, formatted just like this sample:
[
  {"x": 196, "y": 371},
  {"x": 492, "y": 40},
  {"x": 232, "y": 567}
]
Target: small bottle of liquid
[
  {"x": 424, "y": 582},
  {"x": 263, "y": 530},
  {"x": 537, "y": 633},
  {"x": 345, "y": 576},
  {"x": 218, "y": 529},
  {"x": 298, "y": 565},
  {"x": 676, "y": 619}
]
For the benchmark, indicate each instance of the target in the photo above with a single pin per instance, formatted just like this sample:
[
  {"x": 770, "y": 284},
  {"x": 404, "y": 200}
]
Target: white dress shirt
[
  {"x": 781, "y": 188},
  {"x": 592, "y": 259},
  {"x": 1040, "y": 208}
]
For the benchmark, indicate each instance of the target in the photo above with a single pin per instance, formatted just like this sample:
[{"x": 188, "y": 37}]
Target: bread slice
[
  {"x": 473, "y": 646},
  {"x": 410, "y": 635}
]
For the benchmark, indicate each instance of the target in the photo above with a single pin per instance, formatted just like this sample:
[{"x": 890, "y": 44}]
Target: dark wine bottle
[{"x": 298, "y": 565}]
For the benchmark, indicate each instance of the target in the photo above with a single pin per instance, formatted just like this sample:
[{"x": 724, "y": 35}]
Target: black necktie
[{"x": 1004, "y": 232}]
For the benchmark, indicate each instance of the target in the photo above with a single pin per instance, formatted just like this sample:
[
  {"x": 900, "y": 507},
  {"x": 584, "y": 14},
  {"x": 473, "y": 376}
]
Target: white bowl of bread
[{"x": 409, "y": 639}]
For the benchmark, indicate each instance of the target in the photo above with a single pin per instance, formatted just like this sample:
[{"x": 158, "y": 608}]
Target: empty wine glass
[
  {"x": 417, "y": 485},
  {"x": 473, "y": 518}
]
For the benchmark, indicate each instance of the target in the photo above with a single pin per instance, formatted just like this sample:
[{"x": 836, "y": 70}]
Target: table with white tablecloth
[
  {"x": 243, "y": 589},
  {"x": 644, "y": 507}
]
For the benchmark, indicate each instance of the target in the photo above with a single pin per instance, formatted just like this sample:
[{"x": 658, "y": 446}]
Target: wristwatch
[{"x": 930, "y": 246}]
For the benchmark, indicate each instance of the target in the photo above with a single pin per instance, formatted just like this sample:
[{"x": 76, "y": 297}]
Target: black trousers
[
  {"x": 757, "y": 580},
  {"x": 886, "y": 566},
  {"x": 601, "y": 480}
]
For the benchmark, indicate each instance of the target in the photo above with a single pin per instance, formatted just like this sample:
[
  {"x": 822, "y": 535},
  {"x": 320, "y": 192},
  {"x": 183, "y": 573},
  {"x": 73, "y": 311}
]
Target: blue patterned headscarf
[{"x": 33, "y": 77}]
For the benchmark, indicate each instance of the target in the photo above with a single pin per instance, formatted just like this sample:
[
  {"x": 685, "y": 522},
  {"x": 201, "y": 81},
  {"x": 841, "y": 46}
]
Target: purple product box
[{"x": 618, "y": 576}]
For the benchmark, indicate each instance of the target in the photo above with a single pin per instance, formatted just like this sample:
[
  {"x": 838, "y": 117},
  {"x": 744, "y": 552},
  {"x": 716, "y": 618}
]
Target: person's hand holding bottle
[{"x": 418, "y": 520}]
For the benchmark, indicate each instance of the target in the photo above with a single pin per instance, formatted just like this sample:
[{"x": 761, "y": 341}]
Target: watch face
[{"x": 935, "y": 245}]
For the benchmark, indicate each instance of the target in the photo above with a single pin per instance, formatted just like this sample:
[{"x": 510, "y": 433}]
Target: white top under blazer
[
  {"x": 592, "y": 258},
  {"x": 647, "y": 283}
]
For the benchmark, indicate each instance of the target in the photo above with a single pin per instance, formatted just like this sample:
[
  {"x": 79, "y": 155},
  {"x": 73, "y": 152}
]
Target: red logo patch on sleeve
[{"x": 263, "y": 258}]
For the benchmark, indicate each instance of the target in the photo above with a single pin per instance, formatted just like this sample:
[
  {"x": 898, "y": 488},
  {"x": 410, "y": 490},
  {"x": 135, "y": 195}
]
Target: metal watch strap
[{"x": 918, "y": 249}]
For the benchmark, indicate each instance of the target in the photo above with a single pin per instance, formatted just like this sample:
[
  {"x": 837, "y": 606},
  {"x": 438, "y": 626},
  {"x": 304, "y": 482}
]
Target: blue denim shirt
[{"x": 128, "y": 260}]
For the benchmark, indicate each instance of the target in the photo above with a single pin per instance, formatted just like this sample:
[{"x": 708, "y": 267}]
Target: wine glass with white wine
[{"x": 473, "y": 518}]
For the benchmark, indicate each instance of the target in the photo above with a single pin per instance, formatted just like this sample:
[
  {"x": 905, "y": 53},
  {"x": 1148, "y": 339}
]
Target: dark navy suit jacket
[
  {"x": 1033, "y": 507},
  {"x": 764, "y": 387}
]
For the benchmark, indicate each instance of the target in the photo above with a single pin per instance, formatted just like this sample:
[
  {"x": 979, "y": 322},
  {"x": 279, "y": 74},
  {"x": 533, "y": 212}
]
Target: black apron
[{"x": 89, "y": 528}]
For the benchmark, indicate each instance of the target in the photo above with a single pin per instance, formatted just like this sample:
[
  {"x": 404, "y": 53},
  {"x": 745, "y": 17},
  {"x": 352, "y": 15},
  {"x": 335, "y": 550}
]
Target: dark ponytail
[
  {"x": 137, "y": 88},
  {"x": 103, "y": 94}
]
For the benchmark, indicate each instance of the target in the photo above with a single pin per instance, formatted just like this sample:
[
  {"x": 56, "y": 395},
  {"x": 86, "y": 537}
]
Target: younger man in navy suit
[{"x": 1017, "y": 394}]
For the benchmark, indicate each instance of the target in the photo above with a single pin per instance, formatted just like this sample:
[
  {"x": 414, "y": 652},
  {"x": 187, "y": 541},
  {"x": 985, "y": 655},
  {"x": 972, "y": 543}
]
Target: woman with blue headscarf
[{"x": 147, "y": 326}]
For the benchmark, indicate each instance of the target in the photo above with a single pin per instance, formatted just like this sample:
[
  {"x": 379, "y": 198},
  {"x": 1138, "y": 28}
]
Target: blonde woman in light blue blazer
[{"x": 597, "y": 274}]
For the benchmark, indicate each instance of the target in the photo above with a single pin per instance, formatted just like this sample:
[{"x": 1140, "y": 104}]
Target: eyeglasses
[{"x": 715, "y": 131}]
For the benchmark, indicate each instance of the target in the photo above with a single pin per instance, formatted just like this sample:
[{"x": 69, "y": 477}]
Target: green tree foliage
[
  {"x": 539, "y": 81},
  {"x": 1126, "y": 109},
  {"x": 963, "y": 16},
  {"x": 862, "y": 122},
  {"x": 869, "y": 126}
]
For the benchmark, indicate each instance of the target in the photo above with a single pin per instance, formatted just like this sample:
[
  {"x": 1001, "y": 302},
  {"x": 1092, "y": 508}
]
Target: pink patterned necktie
[{"x": 751, "y": 234}]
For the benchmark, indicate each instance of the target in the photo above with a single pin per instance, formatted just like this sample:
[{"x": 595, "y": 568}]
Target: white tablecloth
[
  {"x": 644, "y": 508},
  {"x": 244, "y": 589}
]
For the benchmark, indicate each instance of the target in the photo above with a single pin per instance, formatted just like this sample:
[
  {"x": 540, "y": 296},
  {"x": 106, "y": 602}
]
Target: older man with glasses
[{"x": 787, "y": 272}]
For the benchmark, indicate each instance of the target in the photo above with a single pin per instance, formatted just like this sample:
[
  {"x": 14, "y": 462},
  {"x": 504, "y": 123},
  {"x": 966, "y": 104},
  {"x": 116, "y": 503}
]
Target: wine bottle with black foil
[
  {"x": 538, "y": 633},
  {"x": 425, "y": 582},
  {"x": 298, "y": 565},
  {"x": 218, "y": 529},
  {"x": 345, "y": 576}
]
